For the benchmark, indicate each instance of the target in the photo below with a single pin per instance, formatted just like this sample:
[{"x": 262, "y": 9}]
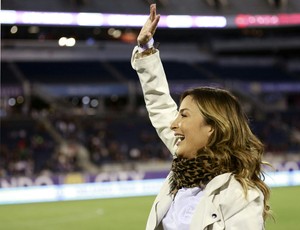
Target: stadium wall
[{"x": 78, "y": 186}]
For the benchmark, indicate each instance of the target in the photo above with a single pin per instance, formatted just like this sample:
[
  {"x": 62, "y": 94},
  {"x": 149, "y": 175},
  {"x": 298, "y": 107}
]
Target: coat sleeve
[{"x": 161, "y": 108}]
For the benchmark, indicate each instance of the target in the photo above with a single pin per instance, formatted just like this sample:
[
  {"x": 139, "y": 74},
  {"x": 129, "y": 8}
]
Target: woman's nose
[{"x": 174, "y": 124}]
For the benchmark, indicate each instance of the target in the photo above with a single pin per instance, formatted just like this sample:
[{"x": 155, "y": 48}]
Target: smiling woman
[
  {"x": 191, "y": 129},
  {"x": 216, "y": 181}
]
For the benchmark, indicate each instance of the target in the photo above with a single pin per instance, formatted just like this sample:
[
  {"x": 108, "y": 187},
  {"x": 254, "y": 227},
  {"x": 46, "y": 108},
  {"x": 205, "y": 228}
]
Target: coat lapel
[
  {"x": 206, "y": 214},
  {"x": 160, "y": 206}
]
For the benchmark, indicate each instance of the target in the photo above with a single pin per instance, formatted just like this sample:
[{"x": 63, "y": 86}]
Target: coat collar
[
  {"x": 216, "y": 183},
  {"x": 233, "y": 196}
]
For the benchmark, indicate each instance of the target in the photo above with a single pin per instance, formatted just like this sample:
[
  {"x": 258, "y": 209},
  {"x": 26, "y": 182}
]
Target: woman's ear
[{"x": 211, "y": 130}]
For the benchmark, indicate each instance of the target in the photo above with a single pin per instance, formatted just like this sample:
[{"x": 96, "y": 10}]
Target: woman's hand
[{"x": 148, "y": 30}]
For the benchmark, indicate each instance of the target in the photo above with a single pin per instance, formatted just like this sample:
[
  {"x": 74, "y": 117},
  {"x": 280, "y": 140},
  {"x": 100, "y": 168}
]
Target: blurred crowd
[
  {"x": 86, "y": 143},
  {"x": 28, "y": 147}
]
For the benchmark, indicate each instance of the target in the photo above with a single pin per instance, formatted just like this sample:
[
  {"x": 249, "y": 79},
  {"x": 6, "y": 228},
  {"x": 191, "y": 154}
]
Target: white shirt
[{"x": 182, "y": 209}]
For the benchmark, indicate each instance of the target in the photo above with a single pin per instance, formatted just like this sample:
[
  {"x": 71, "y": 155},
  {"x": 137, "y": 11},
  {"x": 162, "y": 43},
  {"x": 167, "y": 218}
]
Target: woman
[{"x": 215, "y": 180}]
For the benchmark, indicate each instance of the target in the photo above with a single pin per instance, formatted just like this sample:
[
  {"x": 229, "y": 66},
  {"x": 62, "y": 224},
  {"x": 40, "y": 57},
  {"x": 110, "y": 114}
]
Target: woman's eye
[{"x": 183, "y": 115}]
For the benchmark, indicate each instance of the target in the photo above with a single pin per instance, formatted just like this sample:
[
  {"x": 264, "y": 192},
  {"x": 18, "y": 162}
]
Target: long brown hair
[{"x": 233, "y": 144}]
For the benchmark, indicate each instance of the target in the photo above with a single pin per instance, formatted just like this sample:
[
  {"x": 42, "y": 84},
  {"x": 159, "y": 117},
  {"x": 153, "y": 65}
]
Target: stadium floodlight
[
  {"x": 203, "y": 21},
  {"x": 90, "y": 19},
  {"x": 8, "y": 17},
  {"x": 179, "y": 21},
  {"x": 107, "y": 20},
  {"x": 131, "y": 20}
]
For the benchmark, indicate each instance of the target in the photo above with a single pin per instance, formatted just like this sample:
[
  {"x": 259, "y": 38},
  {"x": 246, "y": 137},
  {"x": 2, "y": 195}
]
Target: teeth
[{"x": 179, "y": 139}]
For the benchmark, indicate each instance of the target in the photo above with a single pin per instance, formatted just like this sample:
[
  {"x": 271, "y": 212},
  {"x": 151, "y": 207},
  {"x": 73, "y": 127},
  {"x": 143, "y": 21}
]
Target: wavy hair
[{"x": 232, "y": 143}]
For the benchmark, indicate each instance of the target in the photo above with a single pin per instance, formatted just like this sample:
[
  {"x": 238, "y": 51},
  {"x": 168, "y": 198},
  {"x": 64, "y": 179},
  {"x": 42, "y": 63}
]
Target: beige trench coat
[{"x": 224, "y": 205}]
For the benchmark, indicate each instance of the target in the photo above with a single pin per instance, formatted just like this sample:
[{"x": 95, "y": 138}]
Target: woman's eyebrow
[{"x": 182, "y": 110}]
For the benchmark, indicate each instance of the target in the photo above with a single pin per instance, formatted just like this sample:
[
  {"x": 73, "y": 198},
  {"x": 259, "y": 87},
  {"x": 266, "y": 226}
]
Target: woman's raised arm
[{"x": 161, "y": 107}]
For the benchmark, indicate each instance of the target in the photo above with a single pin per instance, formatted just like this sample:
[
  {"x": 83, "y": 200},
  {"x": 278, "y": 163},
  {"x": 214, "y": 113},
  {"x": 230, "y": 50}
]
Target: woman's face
[{"x": 190, "y": 129}]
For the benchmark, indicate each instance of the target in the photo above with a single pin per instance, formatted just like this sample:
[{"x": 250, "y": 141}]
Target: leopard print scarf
[{"x": 194, "y": 172}]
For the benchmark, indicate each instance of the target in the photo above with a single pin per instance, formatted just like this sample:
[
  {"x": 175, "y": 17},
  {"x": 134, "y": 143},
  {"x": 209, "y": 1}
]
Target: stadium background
[{"x": 72, "y": 111}]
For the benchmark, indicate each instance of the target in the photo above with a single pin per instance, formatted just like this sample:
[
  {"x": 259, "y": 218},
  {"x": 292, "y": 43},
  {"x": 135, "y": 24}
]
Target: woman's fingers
[
  {"x": 154, "y": 24},
  {"x": 154, "y": 18},
  {"x": 152, "y": 11},
  {"x": 149, "y": 27}
]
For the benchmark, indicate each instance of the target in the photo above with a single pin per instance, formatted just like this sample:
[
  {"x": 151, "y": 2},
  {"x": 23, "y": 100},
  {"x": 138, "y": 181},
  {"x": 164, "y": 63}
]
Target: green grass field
[{"x": 123, "y": 213}]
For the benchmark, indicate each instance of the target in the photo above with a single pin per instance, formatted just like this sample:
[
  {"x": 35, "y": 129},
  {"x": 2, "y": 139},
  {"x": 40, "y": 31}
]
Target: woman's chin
[{"x": 184, "y": 155}]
